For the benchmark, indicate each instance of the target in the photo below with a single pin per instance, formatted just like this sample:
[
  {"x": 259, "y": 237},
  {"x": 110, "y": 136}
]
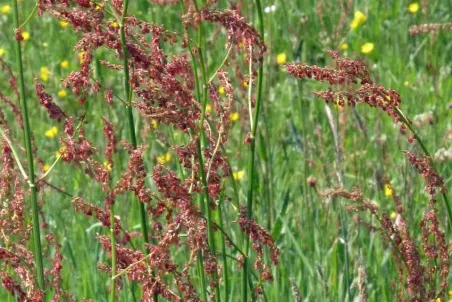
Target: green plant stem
[
  {"x": 198, "y": 96},
  {"x": 128, "y": 92},
  {"x": 427, "y": 153},
  {"x": 223, "y": 250},
  {"x": 29, "y": 150},
  {"x": 113, "y": 253},
  {"x": 251, "y": 154}
]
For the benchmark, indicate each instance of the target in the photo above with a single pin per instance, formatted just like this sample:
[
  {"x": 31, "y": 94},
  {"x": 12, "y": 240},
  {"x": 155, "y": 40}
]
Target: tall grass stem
[
  {"x": 37, "y": 251},
  {"x": 252, "y": 151}
]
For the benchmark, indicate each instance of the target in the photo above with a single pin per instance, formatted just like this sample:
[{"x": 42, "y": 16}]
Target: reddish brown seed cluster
[
  {"x": 46, "y": 100},
  {"x": 237, "y": 29},
  {"x": 260, "y": 238},
  {"x": 432, "y": 28},
  {"x": 417, "y": 278},
  {"x": 424, "y": 166},
  {"x": 354, "y": 78}
]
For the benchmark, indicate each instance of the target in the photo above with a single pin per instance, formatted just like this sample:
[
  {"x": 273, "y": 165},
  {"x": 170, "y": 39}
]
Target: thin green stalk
[
  {"x": 200, "y": 140},
  {"x": 223, "y": 251},
  {"x": 128, "y": 92},
  {"x": 31, "y": 174},
  {"x": 113, "y": 253},
  {"x": 133, "y": 137},
  {"x": 251, "y": 157},
  {"x": 424, "y": 148},
  {"x": 198, "y": 96}
]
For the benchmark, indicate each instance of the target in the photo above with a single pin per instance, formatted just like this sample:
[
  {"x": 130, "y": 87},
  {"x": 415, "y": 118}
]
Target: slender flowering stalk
[
  {"x": 128, "y": 92},
  {"x": 211, "y": 237},
  {"x": 406, "y": 122},
  {"x": 199, "y": 97},
  {"x": 252, "y": 151},
  {"x": 113, "y": 253},
  {"x": 29, "y": 150}
]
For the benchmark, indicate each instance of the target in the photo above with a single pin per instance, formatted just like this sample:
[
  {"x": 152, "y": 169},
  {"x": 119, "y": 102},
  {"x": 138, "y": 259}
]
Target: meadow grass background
[{"x": 295, "y": 141}]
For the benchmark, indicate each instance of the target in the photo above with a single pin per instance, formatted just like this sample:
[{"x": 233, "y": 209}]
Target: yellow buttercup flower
[
  {"x": 44, "y": 71},
  {"x": 344, "y": 46},
  {"x": 26, "y": 35},
  {"x": 281, "y": 58},
  {"x": 164, "y": 158},
  {"x": 393, "y": 215},
  {"x": 238, "y": 175},
  {"x": 62, "y": 93},
  {"x": 245, "y": 84},
  {"x": 413, "y": 7},
  {"x": 107, "y": 165},
  {"x": 2, "y": 52},
  {"x": 154, "y": 123},
  {"x": 234, "y": 116},
  {"x": 80, "y": 56},
  {"x": 46, "y": 167},
  {"x": 450, "y": 292},
  {"x": 64, "y": 64},
  {"x": 208, "y": 107},
  {"x": 388, "y": 190},
  {"x": 64, "y": 24},
  {"x": 221, "y": 90},
  {"x": 5, "y": 9},
  {"x": 358, "y": 19},
  {"x": 60, "y": 152},
  {"x": 52, "y": 132},
  {"x": 367, "y": 48},
  {"x": 115, "y": 24}
]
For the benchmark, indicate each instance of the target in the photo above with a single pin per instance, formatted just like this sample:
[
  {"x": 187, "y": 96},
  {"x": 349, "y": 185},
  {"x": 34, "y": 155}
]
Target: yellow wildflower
[
  {"x": 413, "y": 7},
  {"x": 44, "y": 73},
  {"x": 245, "y": 84},
  {"x": 154, "y": 123},
  {"x": 208, "y": 107},
  {"x": 52, "y": 132},
  {"x": 62, "y": 93},
  {"x": 64, "y": 64},
  {"x": 46, "y": 167},
  {"x": 98, "y": 7},
  {"x": 26, "y": 35},
  {"x": 107, "y": 165},
  {"x": 281, "y": 58},
  {"x": 367, "y": 48},
  {"x": 115, "y": 24},
  {"x": 164, "y": 158},
  {"x": 406, "y": 83},
  {"x": 344, "y": 46},
  {"x": 221, "y": 90},
  {"x": 359, "y": 19},
  {"x": 393, "y": 215},
  {"x": 60, "y": 152},
  {"x": 234, "y": 116},
  {"x": 238, "y": 175},
  {"x": 388, "y": 190},
  {"x": 5, "y": 9},
  {"x": 2, "y": 52},
  {"x": 64, "y": 24},
  {"x": 450, "y": 292},
  {"x": 80, "y": 56}
]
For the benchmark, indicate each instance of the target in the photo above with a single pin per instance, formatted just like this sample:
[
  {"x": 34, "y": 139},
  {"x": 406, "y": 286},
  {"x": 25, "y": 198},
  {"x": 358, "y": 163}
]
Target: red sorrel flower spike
[{"x": 55, "y": 112}]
